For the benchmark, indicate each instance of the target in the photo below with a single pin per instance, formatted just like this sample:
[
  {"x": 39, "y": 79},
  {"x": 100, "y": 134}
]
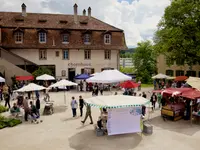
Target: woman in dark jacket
[{"x": 37, "y": 104}]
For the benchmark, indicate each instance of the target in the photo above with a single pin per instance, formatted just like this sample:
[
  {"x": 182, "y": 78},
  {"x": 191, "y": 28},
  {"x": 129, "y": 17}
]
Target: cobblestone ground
[{"x": 62, "y": 132}]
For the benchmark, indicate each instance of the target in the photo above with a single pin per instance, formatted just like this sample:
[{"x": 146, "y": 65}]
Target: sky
[{"x": 138, "y": 18}]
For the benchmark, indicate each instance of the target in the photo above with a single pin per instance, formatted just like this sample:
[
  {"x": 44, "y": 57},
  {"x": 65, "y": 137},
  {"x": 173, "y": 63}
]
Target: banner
[{"x": 124, "y": 120}]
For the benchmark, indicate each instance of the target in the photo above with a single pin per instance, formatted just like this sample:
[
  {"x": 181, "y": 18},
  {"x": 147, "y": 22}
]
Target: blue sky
[{"x": 138, "y": 18}]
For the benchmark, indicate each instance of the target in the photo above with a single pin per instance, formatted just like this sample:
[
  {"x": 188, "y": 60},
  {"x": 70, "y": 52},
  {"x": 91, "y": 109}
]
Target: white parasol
[
  {"x": 160, "y": 76},
  {"x": 2, "y": 79},
  {"x": 63, "y": 83},
  {"x": 30, "y": 87},
  {"x": 45, "y": 77}
]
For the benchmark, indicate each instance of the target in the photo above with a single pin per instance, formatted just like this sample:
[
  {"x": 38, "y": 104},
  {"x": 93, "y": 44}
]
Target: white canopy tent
[
  {"x": 160, "y": 76},
  {"x": 94, "y": 74},
  {"x": 63, "y": 83},
  {"x": 2, "y": 79},
  {"x": 30, "y": 87},
  {"x": 45, "y": 77},
  {"x": 109, "y": 76},
  {"x": 194, "y": 82}
]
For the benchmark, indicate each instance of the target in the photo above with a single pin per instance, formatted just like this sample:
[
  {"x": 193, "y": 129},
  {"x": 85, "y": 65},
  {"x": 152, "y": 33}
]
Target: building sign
[{"x": 79, "y": 65}]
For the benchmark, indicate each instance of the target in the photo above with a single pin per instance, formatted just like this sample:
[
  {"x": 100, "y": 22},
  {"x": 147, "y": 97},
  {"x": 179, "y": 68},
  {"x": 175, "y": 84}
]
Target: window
[
  {"x": 65, "y": 38},
  {"x": 179, "y": 73},
  {"x": 180, "y": 62},
  {"x": 87, "y": 38},
  {"x": 42, "y": 37},
  {"x": 170, "y": 73},
  {"x": 87, "y": 54},
  {"x": 102, "y": 69},
  {"x": 65, "y": 54},
  {"x": 18, "y": 37},
  {"x": 87, "y": 70},
  {"x": 191, "y": 73},
  {"x": 107, "y": 54},
  {"x": 169, "y": 61},
  {"x": 63, "y": 73},
  {"x": 57, "y": 53},
  {"x": 107, "y": 39},
  {"x": 42, "y": 54}
]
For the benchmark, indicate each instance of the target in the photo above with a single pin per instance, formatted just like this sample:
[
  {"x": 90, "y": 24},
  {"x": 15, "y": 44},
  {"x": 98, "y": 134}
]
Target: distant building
[
  {"x": 178, "y": 68},
  {"x": 68, "y": 44},
  {"x": 126, "y": 62}
]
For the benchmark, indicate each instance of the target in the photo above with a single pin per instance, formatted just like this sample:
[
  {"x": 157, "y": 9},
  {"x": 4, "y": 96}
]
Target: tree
[
  {"x": 42, "y": 70},
  {"x": 144, "y": 60},
  {"x": 127, "y": 69},
  {"x": 178, "y": 33}
]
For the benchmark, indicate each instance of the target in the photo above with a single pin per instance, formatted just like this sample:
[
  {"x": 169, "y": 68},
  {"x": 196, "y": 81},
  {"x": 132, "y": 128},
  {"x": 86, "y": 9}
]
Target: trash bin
[{"x": 147, "y": 128}]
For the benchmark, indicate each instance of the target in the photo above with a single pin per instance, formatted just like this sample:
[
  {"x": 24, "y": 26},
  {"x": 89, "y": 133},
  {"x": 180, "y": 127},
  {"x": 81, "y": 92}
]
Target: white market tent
[
  {"x": 2, "y": 79},
  {"x": 31, "y": 87},
  {"x": 116, "y": 101},
  {"x": 45, "y": 77},
  {"x": 63, "y": 83},
  {"x": 160, "y": 76},
  {"x": 109, "y": 76},
  {"x": 194, "y": 82},
  {"x": 94, "y": 74}
]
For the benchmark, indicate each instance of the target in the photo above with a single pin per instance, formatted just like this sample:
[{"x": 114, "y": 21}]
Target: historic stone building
[{"x": 69, "y": 44}]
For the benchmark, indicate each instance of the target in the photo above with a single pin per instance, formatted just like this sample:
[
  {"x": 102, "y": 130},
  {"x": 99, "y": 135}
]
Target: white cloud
[{"x": 138, "y": 19}]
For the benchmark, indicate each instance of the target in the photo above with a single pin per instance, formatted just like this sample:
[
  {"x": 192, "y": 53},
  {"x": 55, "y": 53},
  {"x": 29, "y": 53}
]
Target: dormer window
[
  {"x": 42, "y": 37},
  {"x": 65, "y": 38},
  {"x": 18, "y": 37},
  {"x": 107, "y": 39},
  {"x": 87, "y": 38}
]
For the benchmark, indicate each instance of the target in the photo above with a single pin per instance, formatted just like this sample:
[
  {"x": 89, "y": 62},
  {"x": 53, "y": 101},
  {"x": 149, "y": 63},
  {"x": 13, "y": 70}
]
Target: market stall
[
  {"x": 123, "y": 113},
  {"x": 175, "y": 107}
]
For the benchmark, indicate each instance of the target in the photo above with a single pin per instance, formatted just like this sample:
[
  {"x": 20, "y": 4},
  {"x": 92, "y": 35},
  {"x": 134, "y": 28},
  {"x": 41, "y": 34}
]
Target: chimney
[
  {"x": 89, "y": 12},
  {"x": 23, "y": 10},
  {"x": 84, "y": 12},
  {"x": 75, "y": 13}
]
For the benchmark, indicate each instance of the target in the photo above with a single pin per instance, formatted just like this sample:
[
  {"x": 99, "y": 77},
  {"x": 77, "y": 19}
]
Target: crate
[{"x": 99, "y": 132}]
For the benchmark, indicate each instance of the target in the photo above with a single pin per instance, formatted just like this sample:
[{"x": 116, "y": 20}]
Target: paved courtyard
[{"x": 62, "y": 132}]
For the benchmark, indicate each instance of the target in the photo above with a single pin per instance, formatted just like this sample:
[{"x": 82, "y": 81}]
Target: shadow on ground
[
  {"x": 180, "y": 126},
  {"x": 87, "y": 140}
]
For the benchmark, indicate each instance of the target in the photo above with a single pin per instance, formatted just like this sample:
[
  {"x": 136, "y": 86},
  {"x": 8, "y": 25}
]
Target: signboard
[
  {"x": 124, "y": 120},
  {"x": 79, "y": 65}
]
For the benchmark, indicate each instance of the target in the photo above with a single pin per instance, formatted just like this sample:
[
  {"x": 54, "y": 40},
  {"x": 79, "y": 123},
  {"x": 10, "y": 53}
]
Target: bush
[
  {"x": 8, "y": 122},
  {"x": 3, "y": 109}
]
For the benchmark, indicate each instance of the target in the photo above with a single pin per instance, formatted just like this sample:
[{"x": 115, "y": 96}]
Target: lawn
[{"x": 147, "y": 85}]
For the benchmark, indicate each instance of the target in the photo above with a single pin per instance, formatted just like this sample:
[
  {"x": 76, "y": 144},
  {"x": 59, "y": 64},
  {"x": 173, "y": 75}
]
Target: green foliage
[
  {"x": 3, "y": 109},
  {"x": 8, "y": 122},
  {"x": 42, "y": 70},
  {"x": 127, "y": 69},
  {"x": 178, "y": 34},
  {"x": 145, "y": 61}
]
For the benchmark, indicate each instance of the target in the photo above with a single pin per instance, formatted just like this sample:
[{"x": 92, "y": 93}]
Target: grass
[{"x": 147, "y": 85}]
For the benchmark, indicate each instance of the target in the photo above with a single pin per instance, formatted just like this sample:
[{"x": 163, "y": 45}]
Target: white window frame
[
  {"x": 107, "y": 54},
  {"x": 107, "y": 39},
  {"x": 42, "y": 54},
  {"x": 87, "y": 54},
  {"x": 18, "y": 35},
  {"x": 87, "y": 38},
  {"x": 65, "y": 35},
  {"x": 42, "y": 35},
  {"x": 67, "y": 54}
]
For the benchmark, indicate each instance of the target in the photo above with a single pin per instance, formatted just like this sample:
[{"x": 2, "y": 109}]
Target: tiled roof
[{"x": 53, "y": 21}]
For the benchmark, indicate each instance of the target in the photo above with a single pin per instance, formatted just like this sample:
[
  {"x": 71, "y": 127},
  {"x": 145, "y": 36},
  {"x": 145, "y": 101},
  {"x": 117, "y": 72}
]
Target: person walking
[
  {"x": 7, "y": 99},
  {"x": 26, "y": 109},
  {"x": 74, "y": 106},
  {"x": 159, "y": 97},
  {"x": 101, "y": 88},
  {"x": 153, "y": 101},
  {"x": 37, "y": 104},
  {"x": 144, "y": 95},
  {"x": 81, "y": 104},
  {"x": 88, "y": 114}
]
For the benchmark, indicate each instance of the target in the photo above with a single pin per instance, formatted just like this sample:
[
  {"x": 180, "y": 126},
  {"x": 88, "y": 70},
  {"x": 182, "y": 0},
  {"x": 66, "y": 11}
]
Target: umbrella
[
  {"x": 2, "y": 79},
  {"x": 63, "y": 83},
  {"x": 109, "y": 76},
  {"x": 116, "y": 101},
  {"x": 45, "y": 77},
  {"x": 181, "y": 78},
  {"x": 160, "y": 76},
  {"x": 82, "y": 77},
  {"x": 31, "y": 87},
  {"x": 194, "y": 82},
  {"x": 129, "y": 84}
]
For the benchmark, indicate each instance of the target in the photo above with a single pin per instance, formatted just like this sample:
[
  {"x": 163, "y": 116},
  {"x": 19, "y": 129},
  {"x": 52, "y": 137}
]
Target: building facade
[
  {"x": 178, "y": 68},
  {"x": 70, "y": 44},
  {"x": 126, "y": 62}
]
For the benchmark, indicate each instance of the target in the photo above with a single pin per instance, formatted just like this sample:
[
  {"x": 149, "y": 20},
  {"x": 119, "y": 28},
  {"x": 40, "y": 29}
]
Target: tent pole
[{"x": 65, "y": 101}]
